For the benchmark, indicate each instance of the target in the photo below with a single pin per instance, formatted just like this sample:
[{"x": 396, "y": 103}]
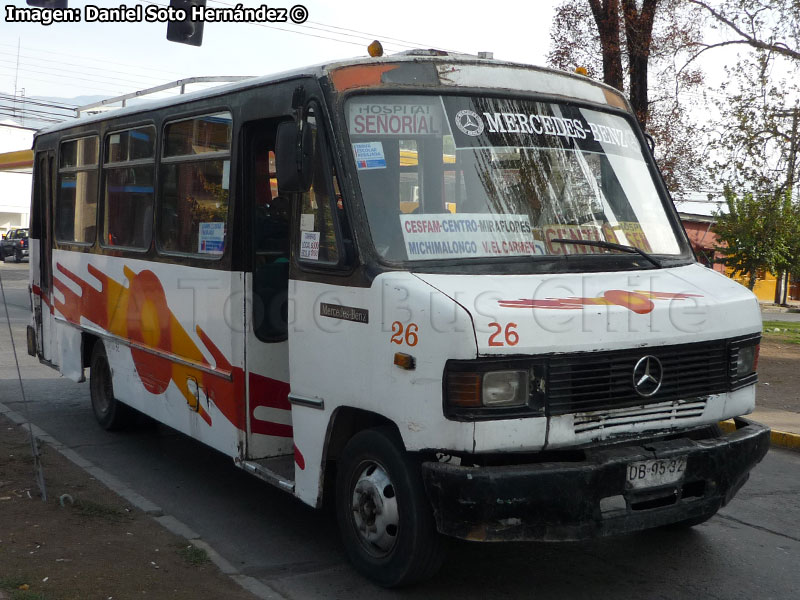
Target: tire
[
  {"x": 110, "y": 413},
  {"x": 385, "y": 519}
]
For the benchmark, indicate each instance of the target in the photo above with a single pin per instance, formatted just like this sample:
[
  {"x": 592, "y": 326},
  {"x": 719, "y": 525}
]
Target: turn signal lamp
[
  {"x": 375, "y": 49},
  {"x": 582, "y": 71},
  {"x": 464, "y": 389},
  {"x": 405, "y": 361}
]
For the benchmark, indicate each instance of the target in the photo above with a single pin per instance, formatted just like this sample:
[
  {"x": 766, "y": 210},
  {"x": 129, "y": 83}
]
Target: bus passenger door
[
  {"x": 266, "y": 282},
  {"x": 41, "y": 276}
]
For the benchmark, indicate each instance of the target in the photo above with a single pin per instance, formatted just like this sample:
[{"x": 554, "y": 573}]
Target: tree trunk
[
  {"x": 639, "y": 34},
  {"x": 751, "y": 283},
  {"x": 778, "y": 287},
  {"x": 606, "y": 16}
]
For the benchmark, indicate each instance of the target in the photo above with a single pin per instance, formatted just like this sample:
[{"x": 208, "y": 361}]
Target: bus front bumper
[{"x": 571, "y": 501}]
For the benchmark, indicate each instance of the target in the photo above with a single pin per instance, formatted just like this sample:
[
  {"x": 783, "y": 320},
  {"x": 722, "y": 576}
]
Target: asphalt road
[
  {"x": 750, "y": 550},
  {"x": 792, "y": 317}
]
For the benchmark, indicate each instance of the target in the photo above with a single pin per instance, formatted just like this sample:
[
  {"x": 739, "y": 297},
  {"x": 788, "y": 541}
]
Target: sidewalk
[
  {"x": 791, "y": 306},
  {"x": 785, "y": 426}
]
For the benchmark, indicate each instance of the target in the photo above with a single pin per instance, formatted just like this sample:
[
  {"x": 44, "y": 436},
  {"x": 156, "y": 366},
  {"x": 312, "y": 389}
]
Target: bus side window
[
  {"x": 195, "y": 186},
  {"x": 128, "y": 172},
  {"x": 76, "y": 206},
  {"x": 319, "y": 238}
]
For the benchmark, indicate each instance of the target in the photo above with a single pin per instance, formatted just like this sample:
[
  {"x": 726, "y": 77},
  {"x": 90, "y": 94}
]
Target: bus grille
[
  {"x": 675, "y": 411},
  {"x": 587, "y": 382}
]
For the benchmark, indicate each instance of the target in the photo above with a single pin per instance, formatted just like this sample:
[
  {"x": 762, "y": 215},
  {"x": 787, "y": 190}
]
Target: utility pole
[{"x": 791, "y": 167}]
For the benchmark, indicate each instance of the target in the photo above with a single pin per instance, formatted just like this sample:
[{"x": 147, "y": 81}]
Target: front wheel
[
  {"x": 385, "y": 519},
  {"x": 109, "y": 412}
]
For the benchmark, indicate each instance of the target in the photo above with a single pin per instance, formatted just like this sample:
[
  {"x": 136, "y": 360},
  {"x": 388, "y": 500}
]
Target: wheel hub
[{"x": 375, "y": 510}]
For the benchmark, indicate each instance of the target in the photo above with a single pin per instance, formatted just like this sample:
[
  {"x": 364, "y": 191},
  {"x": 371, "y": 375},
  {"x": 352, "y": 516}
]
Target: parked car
[{"x": 15, "y": 244}]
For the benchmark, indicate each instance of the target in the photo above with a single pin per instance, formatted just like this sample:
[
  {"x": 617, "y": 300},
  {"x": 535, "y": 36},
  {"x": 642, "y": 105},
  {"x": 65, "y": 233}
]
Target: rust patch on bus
[{"x": 359, "y": 76}]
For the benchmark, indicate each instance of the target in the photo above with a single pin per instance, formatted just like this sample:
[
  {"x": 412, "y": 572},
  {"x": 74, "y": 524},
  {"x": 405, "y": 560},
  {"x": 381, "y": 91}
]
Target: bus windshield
[{"x": 445, "y": 177}]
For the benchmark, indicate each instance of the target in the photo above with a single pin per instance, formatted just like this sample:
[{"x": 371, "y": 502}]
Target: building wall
[
  {"x": 15, "y": 186},
  {"x": 703, "y": 241}
]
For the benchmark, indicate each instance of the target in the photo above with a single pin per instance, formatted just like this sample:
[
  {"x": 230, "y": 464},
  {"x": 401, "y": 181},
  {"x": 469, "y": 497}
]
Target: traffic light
[
  {"x": 48, "y": 3},
  {"x": 185, "y": 31}
]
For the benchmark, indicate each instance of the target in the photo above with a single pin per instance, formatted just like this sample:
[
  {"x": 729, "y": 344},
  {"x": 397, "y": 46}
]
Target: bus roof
[{"x": 448, "y": 70}]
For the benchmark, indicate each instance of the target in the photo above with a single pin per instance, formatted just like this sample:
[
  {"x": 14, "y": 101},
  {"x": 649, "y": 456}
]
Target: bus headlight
[
  {"x": 746, "y": 360},
  {"x": 492, "y": 389},
  {"x": 505, "y": 388},
  {"x": 743, "y": 361}
]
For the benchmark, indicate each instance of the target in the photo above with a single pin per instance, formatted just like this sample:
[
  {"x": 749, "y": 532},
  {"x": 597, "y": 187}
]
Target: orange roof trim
[{"x": 355, "y": 76}]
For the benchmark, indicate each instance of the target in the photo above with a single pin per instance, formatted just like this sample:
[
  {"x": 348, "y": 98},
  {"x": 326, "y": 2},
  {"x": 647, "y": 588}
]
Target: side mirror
[
  {"x": 651, "y": 143},
  {"x": 294, "y": 152}
]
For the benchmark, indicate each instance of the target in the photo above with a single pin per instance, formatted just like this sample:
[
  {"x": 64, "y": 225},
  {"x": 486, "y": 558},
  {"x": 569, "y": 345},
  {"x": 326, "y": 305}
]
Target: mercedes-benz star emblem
[
  {"x": 469, "y": 122},
  {"x": 647, "y": 376}
]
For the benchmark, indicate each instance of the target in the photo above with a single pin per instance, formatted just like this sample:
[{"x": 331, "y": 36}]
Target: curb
[
  {"x": 254, "y": 586},
  {"x": 777, "y": 439}
]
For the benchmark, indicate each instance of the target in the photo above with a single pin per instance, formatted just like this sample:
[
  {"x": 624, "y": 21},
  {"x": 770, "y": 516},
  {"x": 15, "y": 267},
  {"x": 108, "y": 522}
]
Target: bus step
[{"x": 278, "y": 471}]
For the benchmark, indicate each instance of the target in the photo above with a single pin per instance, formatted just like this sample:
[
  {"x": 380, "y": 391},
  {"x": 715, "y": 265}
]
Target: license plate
[{"x": 653, "y": 473}]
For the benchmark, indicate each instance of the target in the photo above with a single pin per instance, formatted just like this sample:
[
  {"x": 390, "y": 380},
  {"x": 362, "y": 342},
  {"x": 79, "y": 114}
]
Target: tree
[
  {"x": 606, "y": 17},
  {"x": 767, "y": 25},
  {"x": 639, "y": 35},
  {"x": 754, "y": 139},
  {"x": 756, "y": 234},
  {"x": 658, "y": 35},
  {"x": 754, "y": 142}
]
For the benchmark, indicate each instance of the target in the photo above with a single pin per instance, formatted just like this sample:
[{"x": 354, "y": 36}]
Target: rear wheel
[
  {"x": 386, "y": 521},
  {"x": 109, "y": 412}
]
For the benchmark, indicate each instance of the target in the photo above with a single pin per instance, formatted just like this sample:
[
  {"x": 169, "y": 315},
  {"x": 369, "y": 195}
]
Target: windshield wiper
[{"x": 610, "y": 246}]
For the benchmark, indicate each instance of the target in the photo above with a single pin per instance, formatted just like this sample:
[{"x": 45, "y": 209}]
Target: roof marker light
[{"x": 375, "y": 49}]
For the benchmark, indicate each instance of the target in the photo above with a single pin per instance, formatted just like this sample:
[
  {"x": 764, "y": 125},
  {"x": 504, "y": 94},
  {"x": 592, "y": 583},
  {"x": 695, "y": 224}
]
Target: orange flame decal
[
  {"x": 638, "y": 301},
  {"x": 140, "y": 313}
]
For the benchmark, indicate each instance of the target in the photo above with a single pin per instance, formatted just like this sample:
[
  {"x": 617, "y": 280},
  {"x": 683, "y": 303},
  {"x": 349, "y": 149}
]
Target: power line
[
  {"x": 86, "y": 88},
  {"x": 32, "y": 100},
  {"x": 95, "y": 59},
  {"x": 70, "y": 73},
  {"x": 358, "y": 34},
  {"x": 34, "y": 113},
  {"x": 16, "y": 116},
  {"x": 82, "y": 67},
  {"x": 265, "y": 25},
  {"x": 93, "y": 81}
]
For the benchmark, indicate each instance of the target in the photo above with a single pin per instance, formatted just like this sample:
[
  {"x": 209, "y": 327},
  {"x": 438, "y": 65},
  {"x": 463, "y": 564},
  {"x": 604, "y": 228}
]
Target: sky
[{"x": 68, "y": 60}]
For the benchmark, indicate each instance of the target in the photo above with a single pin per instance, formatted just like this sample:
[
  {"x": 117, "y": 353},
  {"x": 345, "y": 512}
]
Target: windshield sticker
[
  {"x": 379, "y": 118},
  {"x": 369, "y": 155},
  {"x": 628, "y": 233},
  {"x": 211, "y": 238},
  {"x": 468, "y": 236},
  {"x": 484, "y": 122},
  {"x": 309, "y": 245},
  {"x": 307, "y": 222}
]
